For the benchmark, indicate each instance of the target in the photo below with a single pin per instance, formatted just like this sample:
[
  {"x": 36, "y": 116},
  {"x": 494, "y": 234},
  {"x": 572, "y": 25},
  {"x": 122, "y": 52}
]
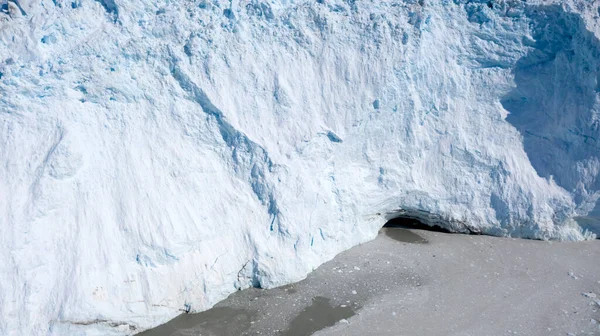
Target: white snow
[{"x": 157, "y": 156}]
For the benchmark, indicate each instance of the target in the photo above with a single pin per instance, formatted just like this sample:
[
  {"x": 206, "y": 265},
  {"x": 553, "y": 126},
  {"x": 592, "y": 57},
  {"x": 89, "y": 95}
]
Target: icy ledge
[{"x": 156, "y": 156}]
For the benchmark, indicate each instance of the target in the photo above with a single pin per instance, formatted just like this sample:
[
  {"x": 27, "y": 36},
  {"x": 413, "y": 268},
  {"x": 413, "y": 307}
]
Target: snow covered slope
[{"x": 158, "y": 155}]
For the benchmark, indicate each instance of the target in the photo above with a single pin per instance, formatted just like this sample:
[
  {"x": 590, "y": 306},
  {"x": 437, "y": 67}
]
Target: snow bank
[{"x": 158, "y": 155}]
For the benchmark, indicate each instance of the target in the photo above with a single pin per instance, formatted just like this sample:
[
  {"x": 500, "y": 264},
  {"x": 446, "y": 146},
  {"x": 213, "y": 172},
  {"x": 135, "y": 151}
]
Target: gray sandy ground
[{"x": 414, "y": 282}]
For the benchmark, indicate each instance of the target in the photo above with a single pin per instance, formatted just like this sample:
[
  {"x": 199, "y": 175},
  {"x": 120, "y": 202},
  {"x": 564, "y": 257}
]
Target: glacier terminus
[{"x": 156, "y": 156}]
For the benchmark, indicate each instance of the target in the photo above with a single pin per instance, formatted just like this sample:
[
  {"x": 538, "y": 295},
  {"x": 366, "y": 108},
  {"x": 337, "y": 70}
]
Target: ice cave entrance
[
  {"x": 398, "y": 229},
  {"x": 412, "y": 223}
]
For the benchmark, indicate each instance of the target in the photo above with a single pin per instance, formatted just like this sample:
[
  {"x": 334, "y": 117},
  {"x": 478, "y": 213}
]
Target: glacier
[{"x": 159, "y": 155}]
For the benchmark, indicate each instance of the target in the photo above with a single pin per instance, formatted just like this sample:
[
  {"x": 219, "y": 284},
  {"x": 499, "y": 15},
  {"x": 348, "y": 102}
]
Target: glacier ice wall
[
  {"x": 555, "y": 103},
  {"x": 158, "y": 155}
]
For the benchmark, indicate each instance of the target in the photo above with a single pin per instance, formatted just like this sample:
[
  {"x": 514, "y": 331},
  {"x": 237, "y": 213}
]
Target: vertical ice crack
[{"x": 251, "y": 161}]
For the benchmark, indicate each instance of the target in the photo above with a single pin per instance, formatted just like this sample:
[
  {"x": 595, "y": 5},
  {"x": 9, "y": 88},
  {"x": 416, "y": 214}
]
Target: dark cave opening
[{"x": 413, "y": 223}]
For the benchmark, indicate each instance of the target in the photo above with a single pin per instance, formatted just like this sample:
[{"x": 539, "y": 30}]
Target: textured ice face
[
  {"x": 157, "y": 156},
  {"x": 555, "y": 104}
]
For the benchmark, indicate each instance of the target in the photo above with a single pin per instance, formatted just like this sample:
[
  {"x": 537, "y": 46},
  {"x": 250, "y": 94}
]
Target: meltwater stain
[
  {"x": 216, "y": 321},
  {"x": 404, "y": 235},
  {"x": 319, "y": 315}
]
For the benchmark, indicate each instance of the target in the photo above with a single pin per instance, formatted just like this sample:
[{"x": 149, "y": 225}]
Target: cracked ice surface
[{"x": 157, "y": 156}]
